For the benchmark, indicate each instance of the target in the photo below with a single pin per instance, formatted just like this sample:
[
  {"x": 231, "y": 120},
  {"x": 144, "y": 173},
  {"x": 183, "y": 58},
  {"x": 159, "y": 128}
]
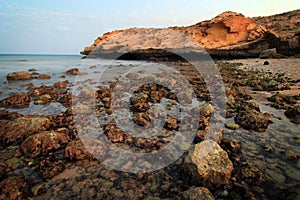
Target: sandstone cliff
[{"x": 229, "y": 34}]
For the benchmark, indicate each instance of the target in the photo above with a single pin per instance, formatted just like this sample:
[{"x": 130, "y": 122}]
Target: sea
[{"x": 99, "y": 72}]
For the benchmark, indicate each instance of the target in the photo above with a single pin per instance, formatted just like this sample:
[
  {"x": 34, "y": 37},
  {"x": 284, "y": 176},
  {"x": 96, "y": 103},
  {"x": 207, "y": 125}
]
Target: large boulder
[
  {"x": 20, "y": 100},
  {"x": 43, "y": 143},
  {"x": 199, "y": 193},
  {"x": 17, "y": 130},
  {"x": 207, "y": 164},
  {"x": 249, "y": 117},
  {"x": 16, "y": 76}
]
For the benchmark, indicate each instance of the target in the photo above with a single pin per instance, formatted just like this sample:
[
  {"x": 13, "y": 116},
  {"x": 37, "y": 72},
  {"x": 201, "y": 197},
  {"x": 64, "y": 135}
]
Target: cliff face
[
  {"x": 287, "y": 26},
  {"x": 229, "y": 34}
]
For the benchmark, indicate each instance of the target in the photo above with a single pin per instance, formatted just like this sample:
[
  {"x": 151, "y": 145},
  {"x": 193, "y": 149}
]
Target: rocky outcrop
[
  {"x": 207, "y": 164},
  {"x": 229, "y": 34},
  {"x": 287, "y": 27}
]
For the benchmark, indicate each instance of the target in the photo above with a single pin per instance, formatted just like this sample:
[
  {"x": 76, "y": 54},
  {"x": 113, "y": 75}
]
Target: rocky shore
[{"x": 43, "y": 156}]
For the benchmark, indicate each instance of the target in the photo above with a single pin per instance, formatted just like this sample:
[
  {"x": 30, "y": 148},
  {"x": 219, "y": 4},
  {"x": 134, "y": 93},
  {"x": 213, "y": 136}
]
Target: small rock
[
  {"x": 32, "y": 70},
  {"x": 132, "y": 76},
  {"x": 266, "y": 62},
  {"x": 75, "y": 71},
  {"x": 142, "y": 119},
  {"x": 206, "y": 110},
  {"x": 269, "y": 148},
  {"x": 171, "y": 123}
]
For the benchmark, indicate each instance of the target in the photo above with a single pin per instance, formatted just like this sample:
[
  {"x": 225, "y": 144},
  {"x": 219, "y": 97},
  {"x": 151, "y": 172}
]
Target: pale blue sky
[{"x": 66, "y": 26}]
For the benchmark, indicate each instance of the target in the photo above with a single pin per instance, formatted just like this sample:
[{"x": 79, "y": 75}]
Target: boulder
[
  {"x": 207, "y": 164},
  {"x": 249, "y": 117},
  {"x": 17, "y": 130},
  {"x": 199, "y": 193},
  {"x": 16, "y": 76},
  {"x": 20, "y": 100},
  {"x": 43, "y": 143}
]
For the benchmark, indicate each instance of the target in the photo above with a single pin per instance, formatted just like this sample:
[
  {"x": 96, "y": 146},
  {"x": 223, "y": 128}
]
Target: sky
[{"x": 66, "y": 26}]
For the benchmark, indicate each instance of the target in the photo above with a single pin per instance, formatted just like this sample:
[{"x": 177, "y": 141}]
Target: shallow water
[{"x": 278, "y": 169}]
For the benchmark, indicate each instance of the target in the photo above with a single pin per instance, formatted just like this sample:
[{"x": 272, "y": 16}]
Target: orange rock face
[{"x": 228, "y": 31}]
